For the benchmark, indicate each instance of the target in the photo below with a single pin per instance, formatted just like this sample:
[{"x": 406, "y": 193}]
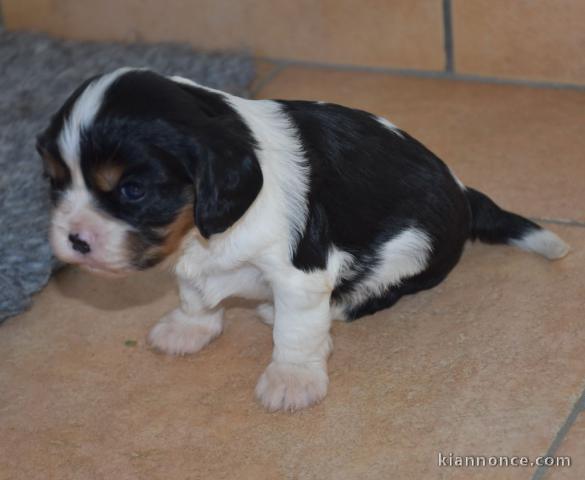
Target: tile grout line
[
  {"x": 448, "y": 36},
  {"x": 578, "y": 407},
  {"x": 432, "y": 74},
  {"x": 271, "y": 75},
  {"x": 281, "y": 65},
  {"x": 469, "y": 77}
]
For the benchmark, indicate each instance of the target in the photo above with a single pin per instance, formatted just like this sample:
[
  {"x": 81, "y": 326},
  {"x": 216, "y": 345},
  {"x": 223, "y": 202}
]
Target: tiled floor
[{"x": 491, "y": 362}]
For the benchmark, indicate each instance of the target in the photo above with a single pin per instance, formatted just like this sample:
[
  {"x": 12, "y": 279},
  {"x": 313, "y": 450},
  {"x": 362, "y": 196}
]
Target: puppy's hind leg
[
  {"x": 374, "y": 304},
  {"x": 266, "y": 313}
]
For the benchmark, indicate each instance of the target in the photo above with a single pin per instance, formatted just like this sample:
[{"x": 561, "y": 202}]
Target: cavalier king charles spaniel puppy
[{"x": 317, "y": 210}]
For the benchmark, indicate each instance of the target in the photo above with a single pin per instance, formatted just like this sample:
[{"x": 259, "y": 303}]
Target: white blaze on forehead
[
  {"x": 76, "y": 213},
  {"x": 81, "y": 117}
]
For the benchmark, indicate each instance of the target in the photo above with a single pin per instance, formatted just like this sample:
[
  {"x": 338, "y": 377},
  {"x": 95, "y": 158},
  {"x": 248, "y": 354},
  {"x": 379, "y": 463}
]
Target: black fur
[
  {"x": 181, "y": 143},
  {"x": 47, "y": 143},
  {"x": 367, "y": 185},
  {"x": 196, "y": 134},
  {"x": 491, "y": 224}
]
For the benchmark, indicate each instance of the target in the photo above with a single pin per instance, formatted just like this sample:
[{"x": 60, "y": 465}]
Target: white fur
[
  {"x": 402, "y": 256},
  {"x": 459, "y": 182},
  {"x": 297, "y": 375},
  {"x": 290, "y": 386},
  {"x": 80, "y": 118},
  {"x": 281, "y": 157},
  {"x": 178, "y": 333},
  {"x": 338, "y": 265},
  {"x": 266, "y": 313},
  {"x": 107, "y": 236},
  {"x": 76, "y": 213},
  {"x": 190, "y": 327},
  {"x": 252, "y": 258},
  {"x": 284, "y": 167},
  {"x": 256, "y": 251},
  {"x": 389, "y": 125},
  {"x": 544, "y": 242}
]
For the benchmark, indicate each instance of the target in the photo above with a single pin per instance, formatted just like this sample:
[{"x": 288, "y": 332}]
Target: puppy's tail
[{"x": 491, "y": 224}]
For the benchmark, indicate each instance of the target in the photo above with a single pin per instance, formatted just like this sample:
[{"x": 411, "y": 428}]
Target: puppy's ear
[
  {"x": 228, "y": 179},
  {"x": 53, "y": 165},
  {"x": 43, "y": 145}
]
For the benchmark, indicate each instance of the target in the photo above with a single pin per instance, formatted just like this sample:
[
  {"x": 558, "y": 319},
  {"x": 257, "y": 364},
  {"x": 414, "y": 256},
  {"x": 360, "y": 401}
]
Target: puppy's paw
[
  {"x": 291, "y": 386},
  {"x": 266, "y": 313},
  {"x": 179, "y": 334}
]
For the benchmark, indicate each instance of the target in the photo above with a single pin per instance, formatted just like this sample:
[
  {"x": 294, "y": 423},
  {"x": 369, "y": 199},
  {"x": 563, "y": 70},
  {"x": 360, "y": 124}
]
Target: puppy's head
[{"x": 136, "y": 161}]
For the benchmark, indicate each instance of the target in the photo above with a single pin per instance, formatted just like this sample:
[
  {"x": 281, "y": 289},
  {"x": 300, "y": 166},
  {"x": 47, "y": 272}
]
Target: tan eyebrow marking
[
  {"x": 54, "y": 168},
  {"x": 106, "y": 177}
]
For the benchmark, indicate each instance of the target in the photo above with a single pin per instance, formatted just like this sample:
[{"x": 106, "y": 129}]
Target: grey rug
[{"x": 37, "y": 73}]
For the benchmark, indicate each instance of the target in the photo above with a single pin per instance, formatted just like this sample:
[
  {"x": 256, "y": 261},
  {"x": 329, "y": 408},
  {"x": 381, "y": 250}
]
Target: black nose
[{"x": 78, "y": 244}]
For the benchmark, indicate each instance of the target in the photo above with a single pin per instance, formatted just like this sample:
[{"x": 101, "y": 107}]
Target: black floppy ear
[
  {"x": 228, "y": 179},
  {"x": 43, "y": 145}
]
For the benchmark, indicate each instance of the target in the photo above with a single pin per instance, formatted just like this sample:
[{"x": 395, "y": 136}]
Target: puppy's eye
[{"x": 133, "y": 191}]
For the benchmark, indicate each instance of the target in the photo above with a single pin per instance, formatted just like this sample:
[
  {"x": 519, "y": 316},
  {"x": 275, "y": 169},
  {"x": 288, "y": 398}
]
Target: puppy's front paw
[
  {"x": 291, "y": 386},
  {"x": 179, "y": 334}
]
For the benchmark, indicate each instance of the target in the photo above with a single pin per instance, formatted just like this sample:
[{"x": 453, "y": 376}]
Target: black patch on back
[{"x": 368, "y": 184}]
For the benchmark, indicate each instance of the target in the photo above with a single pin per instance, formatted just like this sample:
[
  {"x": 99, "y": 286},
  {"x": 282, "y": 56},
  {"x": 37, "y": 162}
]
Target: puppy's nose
[{"x": 79, "y": 244}]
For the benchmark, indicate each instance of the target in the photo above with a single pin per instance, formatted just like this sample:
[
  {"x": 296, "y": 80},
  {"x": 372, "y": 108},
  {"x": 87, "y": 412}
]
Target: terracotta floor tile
[
  {"x": 573, "y": 446},
  {"x": 490, "y": 362},
  {"x": 524, "y": 147}
]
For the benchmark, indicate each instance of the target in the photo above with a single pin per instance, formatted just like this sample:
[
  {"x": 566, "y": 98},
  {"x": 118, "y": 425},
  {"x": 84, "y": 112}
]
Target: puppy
[{"x": 321, "y": 211}]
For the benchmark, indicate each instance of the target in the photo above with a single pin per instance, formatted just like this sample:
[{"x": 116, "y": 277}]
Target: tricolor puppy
[{"x": 321, "y": 211}]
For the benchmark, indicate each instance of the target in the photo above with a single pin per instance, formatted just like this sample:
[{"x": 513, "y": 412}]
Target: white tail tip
[{"x": 544, "y": 242}]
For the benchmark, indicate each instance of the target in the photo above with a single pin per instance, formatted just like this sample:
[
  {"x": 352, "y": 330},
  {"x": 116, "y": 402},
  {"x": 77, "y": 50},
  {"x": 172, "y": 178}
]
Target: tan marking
[
  {"x": 176, "y": 231},
  {"x": 173, "y": 234},
  {"x": 107, "y": 177},
  {"x": 54, "y": 168}
]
